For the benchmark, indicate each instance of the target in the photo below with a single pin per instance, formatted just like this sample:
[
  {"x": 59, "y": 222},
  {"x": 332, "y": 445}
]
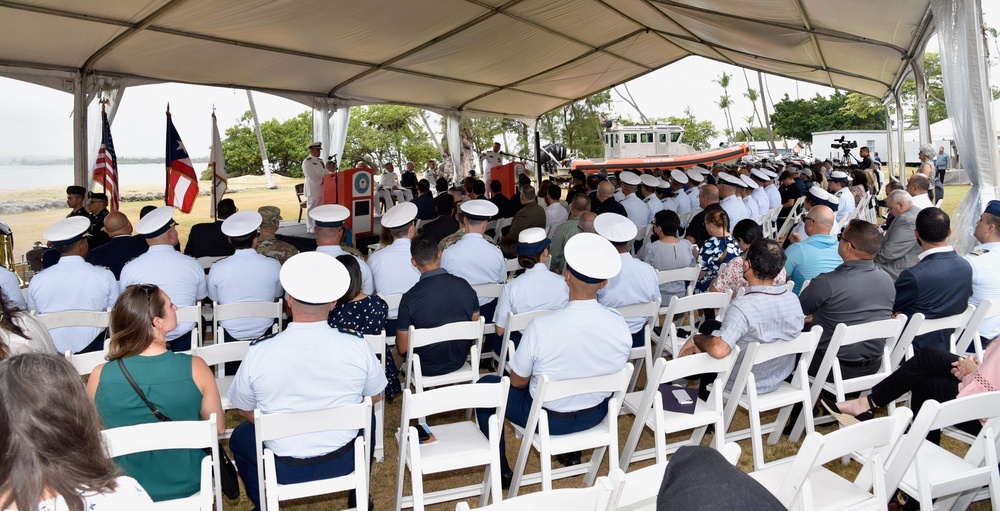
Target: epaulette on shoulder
[
  {"x": 261, "y": 339},
  {"x": 350, "y": 331},
  {"x": 979, "y": 252}
]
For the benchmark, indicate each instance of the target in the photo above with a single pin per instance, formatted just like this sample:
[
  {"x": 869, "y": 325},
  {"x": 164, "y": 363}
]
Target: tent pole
[
  {"x": 538, "y": 153},
  {"x": 79, "y": 130},
  {"x": 923, "y": 118},
  {"x": 901, "y": 147}
]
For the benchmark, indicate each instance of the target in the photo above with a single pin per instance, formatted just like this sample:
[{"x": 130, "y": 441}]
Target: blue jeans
[{"x": 519, "y": 403}]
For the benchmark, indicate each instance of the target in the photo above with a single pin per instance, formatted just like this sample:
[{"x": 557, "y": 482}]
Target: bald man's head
[
  {"x": 605, "y": 191},
  {"x": 709, "y": 194},
  {"x": 587, "y": 222},
  {"x": 117, "y": 224},
  {"x": 822, "y": 218}
]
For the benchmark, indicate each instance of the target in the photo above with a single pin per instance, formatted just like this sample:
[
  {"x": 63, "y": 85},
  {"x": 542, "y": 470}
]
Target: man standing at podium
[
  {"x": 493, "y": 159},
  {"x": 313, "y": 170}
]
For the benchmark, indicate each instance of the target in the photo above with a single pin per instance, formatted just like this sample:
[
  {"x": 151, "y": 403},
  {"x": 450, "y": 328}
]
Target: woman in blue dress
[{"x": 719, "y": 248}]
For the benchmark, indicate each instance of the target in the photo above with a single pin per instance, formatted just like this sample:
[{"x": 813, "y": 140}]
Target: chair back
[
  {"x": 456, "y": 397},
  {"x": 919, "y": 325},
  {"x": 239, "y": 310},
  {"x": 216, "y": 355},
  {"x": 512, "y": 266},
  {"x": 970, "y": 334},
  {"x": 300, "y": 190},
  {"x": 689, "y": 275},
  {"x": 84, "y": 363},
  {"x": 392, "y": 300},
  {"x": 420, "y": 337},
  {"x": 488, "y": 290},
  {"x": 206, "y": 262},
  {"x": 96, "y": 319},
  {"x": 515, "y": 323},
  {"x": 688, "y": 305},
  {"x": 192, "y": 314},
  {"x": 595, "y": 498},
  {"x": 552, "y": 390}
]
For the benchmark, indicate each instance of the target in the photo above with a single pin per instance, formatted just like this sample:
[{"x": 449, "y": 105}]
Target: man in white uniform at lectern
[
  {"x": 313, "y": 170},
  {"x": 494, "y": 158}
]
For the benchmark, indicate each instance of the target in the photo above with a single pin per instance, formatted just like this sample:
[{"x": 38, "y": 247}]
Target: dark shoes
[
  {"x": 569, "y": 459},
  {"x": 845, "y": 419},
  {"x": 505, "y": 479}
]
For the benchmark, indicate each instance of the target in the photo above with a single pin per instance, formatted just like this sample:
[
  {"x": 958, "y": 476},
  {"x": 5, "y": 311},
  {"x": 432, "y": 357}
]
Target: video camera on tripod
[{"x": 845, "y": 146}]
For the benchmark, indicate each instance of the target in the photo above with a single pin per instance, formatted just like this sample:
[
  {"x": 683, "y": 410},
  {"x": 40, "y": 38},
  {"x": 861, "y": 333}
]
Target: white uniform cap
[
  {"x": 156, "y": 222},
  {"x": 316, "y": 145},
  {"x": 615, "y": 228},
  {"x": 664, "y": 184},
  {"x": 399, "y": 215},
  {"x": 649, "y": 180},
  {"x": 629, "y": 178},
  {"x": 241, "y": 223},
  {"x": 840, "y": 176},
  {"x": 591, "y": 258},
  {"x": 760, "y": 175},
  {"x": 679, "y": 176},
  {"x": 748, "y": 183},
  {"x": 532, "y": 241},
  {"x": 769, "y": 173},
  {"x": 67, "y": 231},
  {"x": 695, "y": 176},
  {"x": 726, "y": 178},
  {"x": 329, "y": 215},
  {"x": 703, "y": 170},
  {"x": 314, "y": 278},
  {"x": 479, "y": 209}
]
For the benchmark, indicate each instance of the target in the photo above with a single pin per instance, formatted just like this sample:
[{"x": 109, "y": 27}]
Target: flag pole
[
  {"x": 104, "y": 101},
  {"x": 166, "y": 171},
  {"x": 215, "y": 200}
]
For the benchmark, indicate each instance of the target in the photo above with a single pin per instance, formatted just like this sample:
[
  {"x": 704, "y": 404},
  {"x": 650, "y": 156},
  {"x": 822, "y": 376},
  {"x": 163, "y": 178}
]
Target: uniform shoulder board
[
  {"x": 979, "y": 252},
  {"x": 261, "y": 339},
  {"x": 349, "y": 331}
]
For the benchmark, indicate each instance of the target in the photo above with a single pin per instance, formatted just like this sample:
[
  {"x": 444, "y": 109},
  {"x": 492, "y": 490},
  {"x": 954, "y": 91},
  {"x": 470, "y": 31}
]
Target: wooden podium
[{"x": 353, "y": 189}]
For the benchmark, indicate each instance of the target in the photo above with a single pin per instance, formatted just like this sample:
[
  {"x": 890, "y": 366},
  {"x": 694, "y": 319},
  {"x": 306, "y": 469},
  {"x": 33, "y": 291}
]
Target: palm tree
[
  {"x": 725, "y": 101},
  {"x": 723, "y": 104}
]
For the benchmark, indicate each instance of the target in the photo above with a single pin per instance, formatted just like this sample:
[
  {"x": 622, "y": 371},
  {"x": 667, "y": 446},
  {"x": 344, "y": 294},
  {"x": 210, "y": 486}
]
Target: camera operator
[{"x": 866, "y": 160}]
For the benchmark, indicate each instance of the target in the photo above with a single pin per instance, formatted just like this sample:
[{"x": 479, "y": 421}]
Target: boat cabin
[{"x": 641, "y": 140}]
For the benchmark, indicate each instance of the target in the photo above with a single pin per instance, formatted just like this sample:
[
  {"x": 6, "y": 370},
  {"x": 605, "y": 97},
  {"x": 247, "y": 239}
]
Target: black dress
[{"x": 367, "y": 317}]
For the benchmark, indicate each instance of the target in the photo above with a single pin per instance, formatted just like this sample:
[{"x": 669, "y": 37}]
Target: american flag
[
  {"x": 106, "y": 167},
  {"x": 182, "y": 182}
]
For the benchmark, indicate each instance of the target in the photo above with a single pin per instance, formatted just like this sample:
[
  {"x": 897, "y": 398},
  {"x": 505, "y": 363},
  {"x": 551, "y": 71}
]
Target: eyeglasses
[{"x": 840, "y": 237}]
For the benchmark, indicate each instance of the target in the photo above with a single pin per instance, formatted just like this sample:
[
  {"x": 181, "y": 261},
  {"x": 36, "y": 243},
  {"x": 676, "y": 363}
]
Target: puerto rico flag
[
  {"x": 182, "y": 182},
  {"x": 106, "y": 167}
]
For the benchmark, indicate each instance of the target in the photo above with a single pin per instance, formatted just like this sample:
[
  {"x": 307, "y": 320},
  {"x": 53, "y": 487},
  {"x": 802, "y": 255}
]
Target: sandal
[{"x": 846, "y": 419}]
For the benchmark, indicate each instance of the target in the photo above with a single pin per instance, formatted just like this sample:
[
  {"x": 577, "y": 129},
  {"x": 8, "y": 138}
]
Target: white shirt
[
  {"x": 388, "y": 180},
  {"x": 635, "y": 283},
  {"x": 129, "y": 495},
  {"x": 245, "y": 276},
  {"x": 693, "y": 195},
  {"x": 555, "y": 215},
  {"x": 309, "y": 366},
  {"x": 985, "y": 262},
  {"x": 922, "y": 201},
  {"x": 751, "y": 208},
  {"x": 314, "y": 170},
  {"x": 367, "y": 285},
  {"x": 430, "y": 176},
  {"x": 653, "y": 206},
  {"x": 671, "y": 203},
  {"x": 637, "y": 212},
  {"x": 535, "y": 289},
  {"x": 683, "y": 202},
  {"x": 11, "y": 288},
  {"x": 392, "y": 270},
  {"x": 493, "y": 159},
  {"x": 72, "y": 283},
  {"x": 178, "y": 275},
  {"x": 763, "y": 201},
  {"x": 846, "y": 203},
  {"x": 475, "y": 260},
  {"x": 736, "y": 210},
  {"x": 773, "y": 196},
  {"x": 554, "y": 345}
]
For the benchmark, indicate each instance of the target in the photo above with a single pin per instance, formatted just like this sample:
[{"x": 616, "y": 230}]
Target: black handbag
[{"x": 228, "y": 479}]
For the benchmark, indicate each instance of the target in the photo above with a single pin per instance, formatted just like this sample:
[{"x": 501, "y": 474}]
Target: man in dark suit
[
  {"x": 424, "y": 201},
  {"x": 97, "y": 207},
  {"x": 445, "y": 225},
  {"x": 122, "y": 247},
  {"x": 530, "y": 215},
  {"x": 500, "y": 200},
  {"x": 606, "y": 202},
  {"x": 207, "y": 240},
  {"x": 940, "y": 284}
]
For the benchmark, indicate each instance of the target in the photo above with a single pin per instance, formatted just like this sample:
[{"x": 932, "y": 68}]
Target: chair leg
[
  {"x": 756, "y": 442},
  {"x": 631, "y": 443},
  {"x": 401, "y": 472},
  {"x": 545, "y": 460},
  {"x": 522, "y": 461},
  {"x": 595, "y": 465}
]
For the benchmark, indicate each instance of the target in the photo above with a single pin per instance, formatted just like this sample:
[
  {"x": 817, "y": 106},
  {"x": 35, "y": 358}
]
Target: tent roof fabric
[{"x": 518, "y": 58}]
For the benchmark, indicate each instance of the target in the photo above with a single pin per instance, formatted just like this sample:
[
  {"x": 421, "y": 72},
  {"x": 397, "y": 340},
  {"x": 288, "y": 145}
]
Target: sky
[{"x": 36, "y": 121}]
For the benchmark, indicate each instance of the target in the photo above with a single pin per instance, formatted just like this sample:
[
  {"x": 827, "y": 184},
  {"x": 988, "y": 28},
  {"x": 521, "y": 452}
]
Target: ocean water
[{"x": 19, "y": 177}]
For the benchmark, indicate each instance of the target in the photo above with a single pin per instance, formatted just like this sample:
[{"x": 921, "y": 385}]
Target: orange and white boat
[{"x": 648, "y": 146}]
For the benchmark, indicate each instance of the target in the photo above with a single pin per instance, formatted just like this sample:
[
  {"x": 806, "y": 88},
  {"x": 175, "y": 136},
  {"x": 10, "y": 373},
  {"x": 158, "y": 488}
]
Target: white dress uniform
[
  {"x": 692, "y": 195},
  {"x": 846, "y": 203},
  {"x": 763, "y": 202},
  {"x": 314, "y": 170},
  {"x": 584, "y": 339},
  {"x": 637, "y": 212},
  {"x": 72, "y": 283},
  {"x": 11, "y": 289},
  {"x": 475, "y": 260},
  {"x": 636, "y": 283},
  {"x": 430, "y": 176},
  {"x": 555, "y": 215},
  {"x": 493, "y": 160},
  {"x": 619, "y": 195},
  {"x": 309, "y": 366},
  {"x": 535, "y": 289},
  {"x": 773, "y": 196},
  {"x": 671, "y": 203},
  {"x": 385, "y": 184},
  {"x": 751, "y": 208},
  {"x": 985, "y": 261},
  {"x": 392, "y": 270},
  {"x": 367, "y": 283},
  {"x": 178, "y": 275},
  {"x": 736, "y": 210},
  {"x": 653, "y": 206},
  {"x": 683, "y": 202},
  {"x": 245, "y": 276}
]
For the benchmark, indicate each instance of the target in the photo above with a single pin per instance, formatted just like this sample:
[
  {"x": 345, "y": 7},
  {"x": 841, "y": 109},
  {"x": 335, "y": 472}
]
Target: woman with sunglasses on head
[{"x": 182, "y": 387}]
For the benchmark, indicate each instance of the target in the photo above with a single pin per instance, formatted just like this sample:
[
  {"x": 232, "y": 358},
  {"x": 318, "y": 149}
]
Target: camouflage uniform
[{"x": 274, "y": 248}]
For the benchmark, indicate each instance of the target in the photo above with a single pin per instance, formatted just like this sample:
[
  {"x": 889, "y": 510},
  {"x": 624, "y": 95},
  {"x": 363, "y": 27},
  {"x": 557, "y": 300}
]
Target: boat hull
[{"x": 724, "y": 155}]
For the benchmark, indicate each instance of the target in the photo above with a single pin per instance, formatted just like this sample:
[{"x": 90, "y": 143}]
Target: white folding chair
[
  {"x": 647, "y": 406},
  {"x": 420, "y": 337},
  {"x": 688, "y": 275},
  {"x": 488, "y": 291},
  {"x": 642, "y": 235},
  {"x": 801, "y": 481},
  {"x": 377, "y": 342},
  {"x": 206, "y": 262},
  {"x": 84, "y": 363},
  {"x": 216, "y": 356},
  {"x": 602, "y": 437},
  {"x": 515, "y": 323},
  {"x": 274, "y": 426},
  {"x": 644, "y": 354},
  {"x": 192, "y": 314},
  {"x": 970, "y": 334},
  {"x": 918, "y": 325},
  {"x": 458, "y": 445},
  {"x": 239, "y": 310},
  {"x": 929, "y": 472},
  {"x": 642, "y": 486},
  {"x": 843, "y": 335},
  {"x": 161, "y": 436},
  {"x": 76, "y": 317},
  {"x": 502, "y": 224},
  {"x": 595, "y": 498},
  {"x": 669, "y": 341},
  {"x": 392, "y": 300},
  {"x": 790, "y": 220},
  {"x": 744, "y": 392},
  {"x": 512, "y": 266}
]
